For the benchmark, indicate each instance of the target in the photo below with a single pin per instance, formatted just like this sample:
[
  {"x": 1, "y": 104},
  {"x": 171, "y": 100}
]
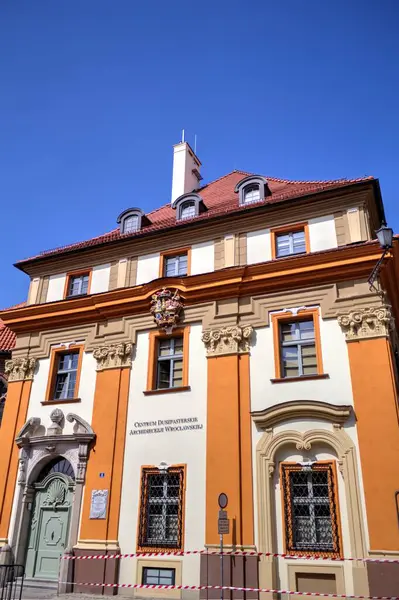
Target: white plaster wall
[
  {"x": 56, "y": 286},
  {"x": 337, "y": 389},
  {"x": 202, "y": 258},
  {"x": 178, "y": 447},
  {"x": 322, "y": 233},
  {"x": 100, "y": 279},
  {"x": 258, "y": 246},
  {"x": 147, "y": 268}
]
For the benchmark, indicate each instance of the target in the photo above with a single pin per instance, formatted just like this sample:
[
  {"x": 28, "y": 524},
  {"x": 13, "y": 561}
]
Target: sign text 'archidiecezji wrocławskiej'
[{"x": 166, "y": 425}]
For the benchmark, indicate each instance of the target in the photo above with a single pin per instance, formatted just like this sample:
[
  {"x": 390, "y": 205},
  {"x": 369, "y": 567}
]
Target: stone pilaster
[
  {"x": 366, "y": 323},
  {"x": 20, "y": 369},
  {"x": 113, "y": 356},
  {"x": 227, "y": 340}
]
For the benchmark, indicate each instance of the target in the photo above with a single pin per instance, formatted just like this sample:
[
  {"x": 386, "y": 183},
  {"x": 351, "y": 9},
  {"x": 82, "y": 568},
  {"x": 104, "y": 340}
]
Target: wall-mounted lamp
[{"x": 385, "y": 237}]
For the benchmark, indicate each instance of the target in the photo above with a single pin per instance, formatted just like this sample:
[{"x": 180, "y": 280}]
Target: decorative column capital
[
  {"x": 227, "y": 340},
  {"x": 363, "y": 323},
  {"x": 20, "y": 369},
  {"x": 113, "y": 356}
]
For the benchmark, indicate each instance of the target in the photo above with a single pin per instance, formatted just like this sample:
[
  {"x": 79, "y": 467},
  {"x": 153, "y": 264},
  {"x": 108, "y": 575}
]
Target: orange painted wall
[
  {"x": 378, "y": 430},
  {"x": 109, "y": 423},
  {"x": 228, "y": 459},
  {"x": 14, "y": 418}
]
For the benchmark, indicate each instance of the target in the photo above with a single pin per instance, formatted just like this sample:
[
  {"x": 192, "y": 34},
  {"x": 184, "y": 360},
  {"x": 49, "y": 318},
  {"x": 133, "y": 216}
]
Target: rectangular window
[
  {"x": 66, "y": 375},
  {"x": 161, "y": 509},
  {"x": 153, "y": 576},
  {"x": 298, "y": 348},
  {"x": 310, "y": 508},
  {"x": 170, "y": 362},
  {"x": 292, "y": 242},
  {"x": 78, "y": 285},
  {"x": 175, "y": 266}
]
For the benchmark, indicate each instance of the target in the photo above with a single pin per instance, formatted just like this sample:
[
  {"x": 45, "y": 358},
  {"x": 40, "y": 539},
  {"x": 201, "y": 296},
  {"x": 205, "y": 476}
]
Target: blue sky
[{"x": 95, "y": 93}]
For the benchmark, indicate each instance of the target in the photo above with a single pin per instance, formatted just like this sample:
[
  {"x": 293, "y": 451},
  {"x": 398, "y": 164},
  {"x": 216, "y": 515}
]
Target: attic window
[
  {"x": 188, "y": 206},
  {"x": 252, "y": 189},
  {"x": 132, "y": 220}
]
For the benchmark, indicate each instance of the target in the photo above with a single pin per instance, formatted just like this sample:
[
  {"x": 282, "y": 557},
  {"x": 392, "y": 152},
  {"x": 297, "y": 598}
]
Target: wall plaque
[{"x": 98, "y": 506}]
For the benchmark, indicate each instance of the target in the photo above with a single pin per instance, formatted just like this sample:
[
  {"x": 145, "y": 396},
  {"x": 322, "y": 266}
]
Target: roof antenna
[
  {"x": 182, "y": 136},
  {"x": 195, "y": 144}
]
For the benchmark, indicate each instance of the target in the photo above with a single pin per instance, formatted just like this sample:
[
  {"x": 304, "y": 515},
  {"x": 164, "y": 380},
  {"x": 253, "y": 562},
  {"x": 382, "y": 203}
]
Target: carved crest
[{"x": 166, "y": 307}]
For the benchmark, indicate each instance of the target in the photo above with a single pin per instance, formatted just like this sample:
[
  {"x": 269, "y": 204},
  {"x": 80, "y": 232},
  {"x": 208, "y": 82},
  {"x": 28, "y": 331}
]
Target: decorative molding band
[
  {"x": 366, "y": 323},
  {"x": 227, "y": 340},
  {"x": 20, "y": 369},
  {"x": 301, "y": 409},
  {"x": 114, "y": 356}
]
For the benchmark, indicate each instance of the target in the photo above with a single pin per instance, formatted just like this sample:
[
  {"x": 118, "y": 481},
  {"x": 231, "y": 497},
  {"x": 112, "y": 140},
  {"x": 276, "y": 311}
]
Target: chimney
[{"x": 186, "y": 170}]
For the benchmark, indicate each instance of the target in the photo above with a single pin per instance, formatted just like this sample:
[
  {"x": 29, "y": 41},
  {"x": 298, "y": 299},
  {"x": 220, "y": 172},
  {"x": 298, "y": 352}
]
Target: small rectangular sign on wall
[{"x": 98, "y": 505}]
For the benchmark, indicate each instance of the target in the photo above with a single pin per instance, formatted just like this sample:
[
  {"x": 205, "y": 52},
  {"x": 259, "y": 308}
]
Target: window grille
[
  {"x": 153, "y": 576},
  {"x": 161, "y": 512},
  {"x": 290, "y": 243},
  {"x": 175, "y": 266},
  {"x": 310, "y": 509},
  {"x": 65, "y": 379},
  {"x": 298, "y": 348},
  {"x": 170, "y": 362},
  {"x": 78, "y": 285},
  {"x": 252, "y": 194}
]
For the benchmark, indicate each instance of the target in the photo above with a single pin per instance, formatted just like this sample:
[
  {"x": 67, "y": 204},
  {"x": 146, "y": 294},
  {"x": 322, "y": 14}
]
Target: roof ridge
[
  {"x": 224, "y": 176},
  {"x": 341, "y": 179}
]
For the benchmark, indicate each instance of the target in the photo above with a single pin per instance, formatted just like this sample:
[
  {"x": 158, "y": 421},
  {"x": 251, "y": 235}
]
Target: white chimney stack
[{"x": 186, "y": 170}]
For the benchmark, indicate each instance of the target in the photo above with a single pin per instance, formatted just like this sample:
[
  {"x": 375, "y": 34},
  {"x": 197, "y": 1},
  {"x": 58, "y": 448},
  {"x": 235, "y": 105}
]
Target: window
[
  {"x": 153, "y": 576},
  {"x": 130, "y": 224},
  {"x": 65, "y": 380},
  {"x": 251, "y": 194},
  {"x": 297, "y": 344},
  {"x": 170, "y": 363},
  {"x": 290, "y": 243},
  {"x": 291, "y": 240},
  {"x": 63, "y": 383},
  {"x": 298, "y": 349},
  {"x": 187, "y": 210},
  {"x": 78, "y": 284},
  {"x": 310, "y": 508},
  {"x": 175, "y": 266},
  {"x": 161, "y": 509}
]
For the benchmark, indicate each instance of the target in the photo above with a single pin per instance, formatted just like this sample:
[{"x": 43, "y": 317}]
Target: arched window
[
  {"x": 253, "y": 188},
  {"x": 187, "y": 209},
  {"x": 130, "y": 224},
  {"x": 251, "y": 194},
  {"x": 57, "y": 465}
]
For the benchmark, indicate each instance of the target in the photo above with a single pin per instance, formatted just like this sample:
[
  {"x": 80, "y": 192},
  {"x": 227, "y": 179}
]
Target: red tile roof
[
  {"x": 219, "y": 198},
  {"x": 7, "y": 338}
]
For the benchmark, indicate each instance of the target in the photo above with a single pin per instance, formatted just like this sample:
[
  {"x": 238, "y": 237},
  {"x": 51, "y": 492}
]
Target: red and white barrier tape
[
  {"x": 230, "y": 553},
  {"x": 227, "y": 587}
]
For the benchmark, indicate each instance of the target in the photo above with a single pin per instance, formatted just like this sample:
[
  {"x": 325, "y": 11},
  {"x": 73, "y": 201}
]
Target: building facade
[{"x": 228, "y": 342}]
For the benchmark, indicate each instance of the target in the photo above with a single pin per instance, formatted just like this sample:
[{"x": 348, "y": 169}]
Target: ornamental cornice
[
  {"x": 20, "y": 369},
  {"x": 227, "y": 340},
  {"x": 369, "y": 322},
  {"x": 113, "y": 356}
]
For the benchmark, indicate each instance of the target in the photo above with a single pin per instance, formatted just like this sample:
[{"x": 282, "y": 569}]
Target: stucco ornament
[
  {"x": 166, "y": 307},
  {"x": 113, "y": 356},
  {"x": 20, "y": 369},
  {"x": 57, "y": 422},
  {"x": 366, "y": 322},
  {"x": 227, "y": 340}
]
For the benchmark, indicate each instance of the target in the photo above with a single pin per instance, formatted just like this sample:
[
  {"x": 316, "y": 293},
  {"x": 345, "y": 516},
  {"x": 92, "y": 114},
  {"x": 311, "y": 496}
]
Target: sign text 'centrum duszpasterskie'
[{"x": 166, "y": 426}]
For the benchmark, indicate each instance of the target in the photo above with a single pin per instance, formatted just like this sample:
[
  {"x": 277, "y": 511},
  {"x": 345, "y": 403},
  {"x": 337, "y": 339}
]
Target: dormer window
[
  {"x": 130, "y": 224},
  {"x": 251, "y": 194},
  {"x": 188, "y": 206},
  {"x": 252, "y": 189},
  {"x": 132, "y": 220}
]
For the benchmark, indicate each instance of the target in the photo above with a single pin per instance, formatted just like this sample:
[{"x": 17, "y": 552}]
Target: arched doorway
[{"x": 50, "y": 518}]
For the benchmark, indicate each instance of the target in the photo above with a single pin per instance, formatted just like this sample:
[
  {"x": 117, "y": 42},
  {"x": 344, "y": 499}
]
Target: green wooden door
[{"x": 49, "y": 527}]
